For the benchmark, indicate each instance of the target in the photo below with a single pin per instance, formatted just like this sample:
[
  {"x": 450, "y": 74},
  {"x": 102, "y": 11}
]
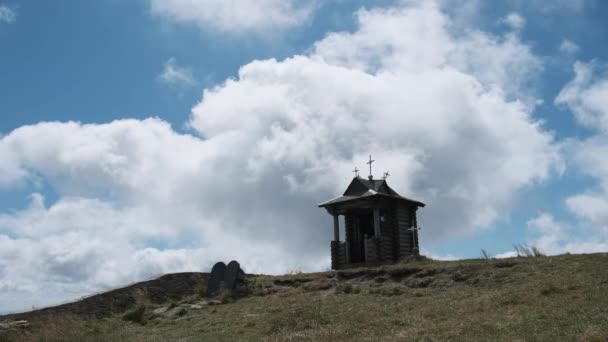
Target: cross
[
  {"x": 370, "y": 166},
  {"x": 386, "y": 174},
  {"x": 414, "y": 231},
  {"x": 356, "y": 171}
]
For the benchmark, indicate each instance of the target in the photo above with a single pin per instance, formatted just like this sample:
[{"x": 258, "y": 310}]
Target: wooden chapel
[{"x": 380, "y": 225}]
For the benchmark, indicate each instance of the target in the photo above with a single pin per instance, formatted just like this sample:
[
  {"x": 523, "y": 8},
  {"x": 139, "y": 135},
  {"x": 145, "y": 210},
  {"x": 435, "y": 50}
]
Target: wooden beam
[
  {"x": 343, "y": 208},
  {"x": 377, "y": 222},
  {"x": 336, "y": 228}
]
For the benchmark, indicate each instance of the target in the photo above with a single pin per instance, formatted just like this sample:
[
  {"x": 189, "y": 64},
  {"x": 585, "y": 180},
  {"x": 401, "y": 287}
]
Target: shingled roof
[{"x": 363, "y": 188}]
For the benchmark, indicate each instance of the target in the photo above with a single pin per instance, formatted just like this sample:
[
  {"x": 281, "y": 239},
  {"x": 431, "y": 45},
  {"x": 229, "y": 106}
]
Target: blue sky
[{"x": 168, "y": 138}]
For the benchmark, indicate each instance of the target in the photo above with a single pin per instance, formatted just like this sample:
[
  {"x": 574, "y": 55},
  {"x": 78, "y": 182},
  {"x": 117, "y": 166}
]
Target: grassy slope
[{"x": 561, "y": 298}]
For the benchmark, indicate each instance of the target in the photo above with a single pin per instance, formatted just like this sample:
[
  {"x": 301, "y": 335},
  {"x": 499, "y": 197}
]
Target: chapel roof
[{"x": 364, "y": 188}]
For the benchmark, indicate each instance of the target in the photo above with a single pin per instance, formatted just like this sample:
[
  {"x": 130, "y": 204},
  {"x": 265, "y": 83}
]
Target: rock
[
  {"x": 215, "y": 279},
  {"x": 160, "y": 311},
  {"x": 225, "y": 277},
  {"x": 231, "y": 275},
  {"x": 198, "y": 305},
  {"x": 420, "y": 283},
  {"x": 14, "y": 324},
  {"x": 175, "y": 312}
]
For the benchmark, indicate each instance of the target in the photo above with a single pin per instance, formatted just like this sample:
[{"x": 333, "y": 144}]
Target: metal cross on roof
[
  {"x": 370, "y": 167},
  {"x": 356, "y": 171},
  {"x": 386, "y": 174}
]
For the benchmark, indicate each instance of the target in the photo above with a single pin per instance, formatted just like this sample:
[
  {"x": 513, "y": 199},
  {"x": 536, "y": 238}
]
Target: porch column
[
  {"x": 377, "y": 222},
  {"x": 336, "y": 228}
]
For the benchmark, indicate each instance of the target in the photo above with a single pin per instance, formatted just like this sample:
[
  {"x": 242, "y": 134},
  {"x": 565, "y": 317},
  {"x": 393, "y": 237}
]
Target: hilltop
[{"x": 561, "y": 298}]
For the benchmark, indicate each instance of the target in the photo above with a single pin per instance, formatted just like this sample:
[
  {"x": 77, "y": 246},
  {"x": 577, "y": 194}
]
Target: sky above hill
[{"x": 153, "y": 136}]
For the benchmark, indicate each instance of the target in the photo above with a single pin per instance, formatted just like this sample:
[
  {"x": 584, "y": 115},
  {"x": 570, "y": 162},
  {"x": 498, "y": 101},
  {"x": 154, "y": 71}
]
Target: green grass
[
  {"x": 561, "y": 298},
  {"x": 136, "y": 315}
]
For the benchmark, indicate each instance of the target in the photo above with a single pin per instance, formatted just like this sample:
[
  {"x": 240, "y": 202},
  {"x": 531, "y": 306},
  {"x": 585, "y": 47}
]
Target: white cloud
[
  {"x": 515, "y": 21},
  {"x": 175, "y": 75},
  {"x": 236, "y": 16},
  {"x": 443, "y": 257},
  {"x": 552, "y": 237},
  {"x": 380, "y": 87},
  {"x": 593, "y": 207},
  {"x": 588, "y": 157},
  {"x": 122, "y": 187},
  {"x": 7, "y": 15},
  {"x": 568, "y": 46},
  {"x": 441, "y": 112},
  {"x": 509, "y": 254},
  {"x": 550, "y": 233},
  {"x": 587, "y": 96}
]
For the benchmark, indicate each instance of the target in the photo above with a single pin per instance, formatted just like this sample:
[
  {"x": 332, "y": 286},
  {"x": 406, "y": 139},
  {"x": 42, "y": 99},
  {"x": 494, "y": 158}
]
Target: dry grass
[{"x": 563, "y": 298}]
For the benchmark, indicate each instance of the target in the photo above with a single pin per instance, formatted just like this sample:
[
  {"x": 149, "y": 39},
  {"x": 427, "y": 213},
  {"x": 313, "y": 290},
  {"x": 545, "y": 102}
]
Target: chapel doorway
[{"x": 364, "y": 227}]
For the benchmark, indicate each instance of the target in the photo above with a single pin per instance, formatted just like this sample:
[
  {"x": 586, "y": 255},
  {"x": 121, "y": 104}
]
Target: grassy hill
[{"x": 560, "y": 298}]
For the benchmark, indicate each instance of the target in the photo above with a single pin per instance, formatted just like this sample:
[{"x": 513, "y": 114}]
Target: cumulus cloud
[
  {"x": 445, "y": 113},
  {"x": 592, "y": 206},
  {"x": 236, "y": 16},
  {"x": 550, "y": 233},
  {"x": 136, "y": 200},
  {"x": 588, "y": 157},
  {"x": 515, "y": 21},
  {"x": 175, "y": 75},
  {"x": 553, "y": 237},
  {"x": 403, "y": 86},
  {"x": 568, "y": 46},
  {"x": 586, "y": 95},
  {"x": 7, "y": 15}
]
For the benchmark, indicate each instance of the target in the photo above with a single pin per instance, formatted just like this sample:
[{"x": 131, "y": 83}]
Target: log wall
[
  {"x": 371, "y": 250},
  {"x": 395, "y": 242},
  {"x": 338, "y": 255},
  {"x": 335, "y": 263},
  {"x": 404, "y": 222},
  {"x": 388, "y": 245}
]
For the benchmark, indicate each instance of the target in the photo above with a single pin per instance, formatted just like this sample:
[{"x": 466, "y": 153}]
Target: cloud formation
[
  {"x": 553, "y": 237},
  {"x": 236, "y": 16},
  {"x": 586, "y": 95},
  {"x": 7, "y": 15},
  {"x": 175, "y": 75},
  {"x": 515, "y": 21},
  {"x": 403, "y": 86},
  {"x": 136, "y": 199},
  {"x": 568, "y": 46},
  {"x": 446, "y": 113},
  {"x": 588, "y": 157}
]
